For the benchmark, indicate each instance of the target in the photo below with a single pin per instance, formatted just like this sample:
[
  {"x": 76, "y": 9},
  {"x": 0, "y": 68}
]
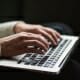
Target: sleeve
[{"x": 6, "y": 28}]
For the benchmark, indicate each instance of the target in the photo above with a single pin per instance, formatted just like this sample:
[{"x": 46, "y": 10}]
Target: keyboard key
[
  {"x": 27, "y": 60},
  {"x": 34, "y": 62},
  {"x": 47, "y": 64},
  {"x": 43, "y": 61}
]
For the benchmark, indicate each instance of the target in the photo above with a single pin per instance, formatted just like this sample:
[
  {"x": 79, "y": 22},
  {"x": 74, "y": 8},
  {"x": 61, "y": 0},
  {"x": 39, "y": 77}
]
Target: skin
[{"x": 25, "y": 37}]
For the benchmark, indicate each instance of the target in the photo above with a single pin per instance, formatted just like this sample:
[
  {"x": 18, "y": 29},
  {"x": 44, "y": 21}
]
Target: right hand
[{"x": 20, "y": 43}]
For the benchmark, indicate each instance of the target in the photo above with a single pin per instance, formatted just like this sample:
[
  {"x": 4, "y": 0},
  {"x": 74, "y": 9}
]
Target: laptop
[{"x": 50, "y": 62}]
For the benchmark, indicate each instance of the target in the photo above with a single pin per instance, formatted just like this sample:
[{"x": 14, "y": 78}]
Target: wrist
[{"x": 17, "y": 27}]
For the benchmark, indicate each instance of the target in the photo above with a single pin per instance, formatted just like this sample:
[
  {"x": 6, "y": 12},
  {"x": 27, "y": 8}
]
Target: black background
[{"x": 39, "y": 11}]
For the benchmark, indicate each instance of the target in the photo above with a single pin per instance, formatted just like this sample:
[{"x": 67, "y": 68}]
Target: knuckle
[
  {"x": 39, "y": 37},
  {"x": 37, "y": 28},
  {"x": 43, "y": 39},
  {"x": 35, "y": 41},
  {"x": 50, "y": 29},
  {"x": 22, "y": 35}
]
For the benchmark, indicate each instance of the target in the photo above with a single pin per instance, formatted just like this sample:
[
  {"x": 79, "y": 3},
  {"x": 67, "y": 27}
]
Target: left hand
[{"x": 50, "y": 34}]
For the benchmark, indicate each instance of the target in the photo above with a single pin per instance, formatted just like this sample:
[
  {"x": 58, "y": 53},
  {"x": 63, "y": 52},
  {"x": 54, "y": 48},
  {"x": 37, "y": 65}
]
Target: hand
[
  {"x": 23, "y": 43},
  {"x": 51, "y": 34}
]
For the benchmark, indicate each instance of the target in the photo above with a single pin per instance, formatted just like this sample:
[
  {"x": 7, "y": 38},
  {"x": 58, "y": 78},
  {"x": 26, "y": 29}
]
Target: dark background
[{"x": 39, "y": 11}]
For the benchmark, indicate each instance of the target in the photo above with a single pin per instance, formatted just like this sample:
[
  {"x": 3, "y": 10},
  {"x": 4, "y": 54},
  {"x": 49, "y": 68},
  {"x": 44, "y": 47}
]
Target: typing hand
[
  {"x": 50, "y": 34},
  {"x": 22, "y": 43}
]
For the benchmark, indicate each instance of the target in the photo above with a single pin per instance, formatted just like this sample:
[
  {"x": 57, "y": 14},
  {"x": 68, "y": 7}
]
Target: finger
[
  {"x": 26, "y": 50},
  {"x": 23, "y": 50},
  {"x": 35, "y": 50},
  {"x": 54, "y": 34},
  {"x": 47, "y": 34},
  {"x": 58, "y": 34},
  {"x": 39, "y": 38},
  {"x": 35, "y": 43},
  {"x": 29, "y": 50},
  {"x": 21, "y": 47},
  {"x": 39, "y": 31},
  {"x": 32, "y": 36}
]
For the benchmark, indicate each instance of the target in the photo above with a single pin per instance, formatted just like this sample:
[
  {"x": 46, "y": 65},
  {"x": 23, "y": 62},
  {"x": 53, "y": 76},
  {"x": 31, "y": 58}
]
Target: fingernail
[{"x": 42, "y": 51}]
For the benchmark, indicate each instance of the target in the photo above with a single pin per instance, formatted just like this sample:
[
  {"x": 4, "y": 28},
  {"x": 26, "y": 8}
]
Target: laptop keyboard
[{"x": 49, "y": 59}]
